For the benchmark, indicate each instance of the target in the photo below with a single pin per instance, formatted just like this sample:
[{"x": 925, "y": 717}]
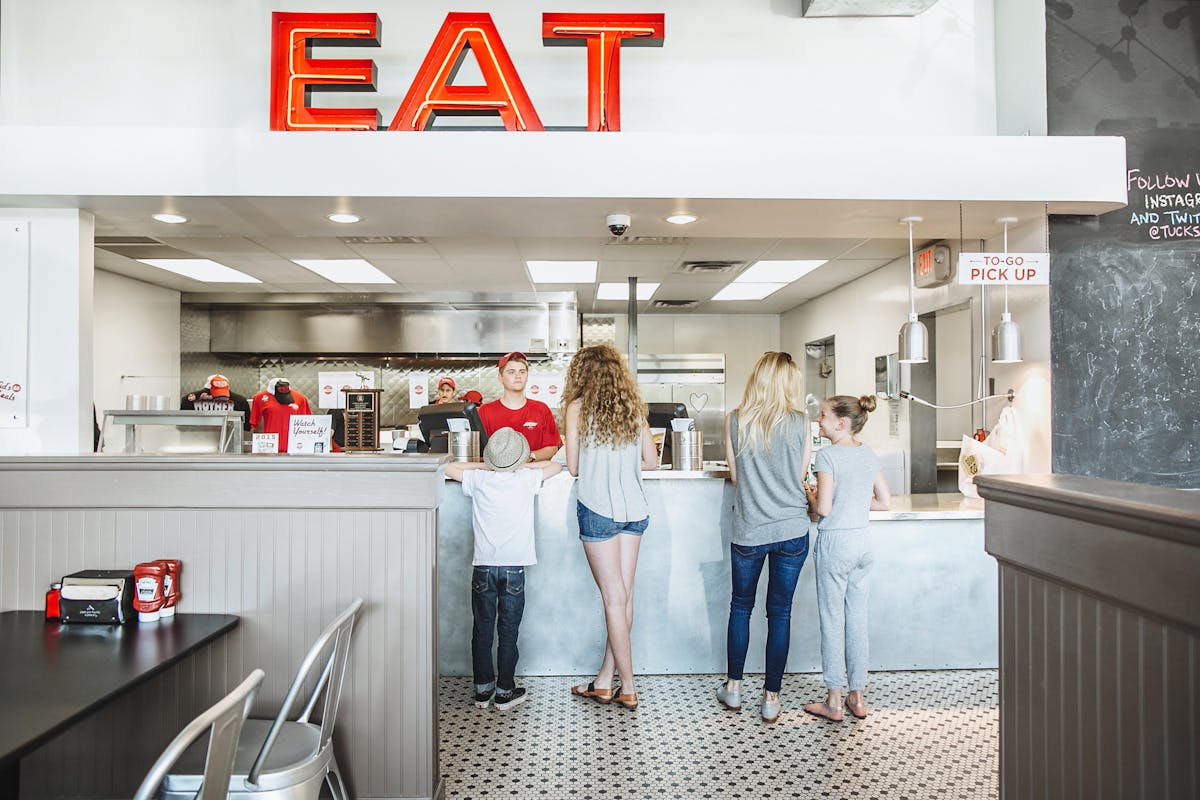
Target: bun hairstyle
[{"x": 854, "y": 409}]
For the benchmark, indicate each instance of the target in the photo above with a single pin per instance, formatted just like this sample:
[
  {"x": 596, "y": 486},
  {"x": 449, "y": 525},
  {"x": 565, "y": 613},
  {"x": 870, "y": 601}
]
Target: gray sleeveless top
[
  {"x": 610, "y": 480},
  {"x": 768, "y": 502}
]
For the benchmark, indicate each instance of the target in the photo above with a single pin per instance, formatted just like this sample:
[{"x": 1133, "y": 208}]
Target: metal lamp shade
[
  {"x": 914, "y": 341},
  {"x": 1006, "y": 341}
]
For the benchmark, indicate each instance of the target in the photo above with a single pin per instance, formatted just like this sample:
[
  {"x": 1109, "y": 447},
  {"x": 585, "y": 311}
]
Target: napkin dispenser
[{"x": 102, "y": 596}]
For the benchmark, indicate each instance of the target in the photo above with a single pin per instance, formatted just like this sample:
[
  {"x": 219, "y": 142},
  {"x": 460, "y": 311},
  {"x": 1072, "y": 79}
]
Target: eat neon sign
[{"x": 295, "y": 74}]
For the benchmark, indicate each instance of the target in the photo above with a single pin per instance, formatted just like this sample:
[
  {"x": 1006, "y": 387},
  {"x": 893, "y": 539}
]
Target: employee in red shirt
[
  {"x": 532, "y": 418},
  {"x": 275, "y": 410}
]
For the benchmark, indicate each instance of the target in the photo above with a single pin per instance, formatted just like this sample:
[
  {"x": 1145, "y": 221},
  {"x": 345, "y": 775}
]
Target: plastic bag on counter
[{"x": 1001, "y": 453}]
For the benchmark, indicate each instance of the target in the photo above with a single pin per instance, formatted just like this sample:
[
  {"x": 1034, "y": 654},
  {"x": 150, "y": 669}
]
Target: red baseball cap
[
  {"x": 472, "y": 397},
  {"x": 218, "y": 386},
  {"x": 515, "y": 354},
  {"x": 448, "y": 380}
]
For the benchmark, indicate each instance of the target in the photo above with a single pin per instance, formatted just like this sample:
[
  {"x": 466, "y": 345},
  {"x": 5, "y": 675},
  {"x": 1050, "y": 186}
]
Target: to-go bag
[{"x": 1002, "y": 453}]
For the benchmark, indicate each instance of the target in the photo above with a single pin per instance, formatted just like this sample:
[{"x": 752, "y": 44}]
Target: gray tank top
[
  {"x": 610, "y": 480},
  {"x": 768, "y": 501}
]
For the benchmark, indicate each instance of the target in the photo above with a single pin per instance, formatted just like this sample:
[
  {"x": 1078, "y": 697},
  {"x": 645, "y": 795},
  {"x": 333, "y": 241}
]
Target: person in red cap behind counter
[
  {"x": 532, "y": 418},
  {"x": 216, "y": 387},
  {"x": 272, "y": 413},
  {"x": 445, "y": 392}
]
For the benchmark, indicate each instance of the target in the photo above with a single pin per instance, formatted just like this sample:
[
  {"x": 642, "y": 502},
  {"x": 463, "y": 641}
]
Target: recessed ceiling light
[
  {"x": 172, "y": 219},
  {"x": 748, "y": 291},
  {"x": 620, "y": 291},
  {"x": 776, "y": 271},
  {"x": 681, "y": 219},
  {"x": 562, "y": 271},
  {"x": 344, "y": 270},
  {"x": 200, "y": 269},
  {"x": 345, "y": 219}
]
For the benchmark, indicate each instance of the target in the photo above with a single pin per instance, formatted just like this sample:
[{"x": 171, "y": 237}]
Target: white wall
[
  {"x": 723, "y": 66},
  {"x": 59, "y": 420},
  {"x": 742, "y": 338},
  {"x": 136, "y": 340},
  {"x": 1020, "y": 27},
  {"x": 865, "y": 317}
]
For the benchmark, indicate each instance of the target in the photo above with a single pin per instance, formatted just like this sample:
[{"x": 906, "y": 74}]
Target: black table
[{"x": 52, "y": 675}]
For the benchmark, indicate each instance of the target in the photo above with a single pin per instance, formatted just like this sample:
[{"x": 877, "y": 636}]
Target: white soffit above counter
[{"x": 52, "y": 166}]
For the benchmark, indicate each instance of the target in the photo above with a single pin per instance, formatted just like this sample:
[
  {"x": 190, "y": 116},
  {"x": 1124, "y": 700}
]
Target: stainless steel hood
[{"x": 546, "y": 323}]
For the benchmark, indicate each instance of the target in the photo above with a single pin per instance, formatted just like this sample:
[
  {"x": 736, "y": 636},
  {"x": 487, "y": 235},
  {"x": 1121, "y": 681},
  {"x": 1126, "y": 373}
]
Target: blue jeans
[
  {"x": 496, "y": 589},
  {"x": 746, "y": 563}
]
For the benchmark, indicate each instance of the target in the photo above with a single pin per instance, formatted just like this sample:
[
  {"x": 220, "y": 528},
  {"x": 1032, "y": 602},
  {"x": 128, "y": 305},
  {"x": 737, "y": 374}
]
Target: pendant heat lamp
[
  {"x": 1006, "y": 337},
  {"x": 914, "y": 336}
]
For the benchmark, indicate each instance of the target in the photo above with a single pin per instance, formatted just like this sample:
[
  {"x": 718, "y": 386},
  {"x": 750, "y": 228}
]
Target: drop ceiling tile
[
  {"x": 213, "y": 246},
  {"x": 810, "y": 248},
  {"x": 742, "y": 250},
  {"x": 405, "y": 252},
  {"x": 658, "y": 271},
  {"x": 481, "y": 248},
  {"x": 306, "y": 247},
  {"x": 559, "y": 249},
  {"x": 881, "y": 248},
  {"x": 642, "y": 252}
]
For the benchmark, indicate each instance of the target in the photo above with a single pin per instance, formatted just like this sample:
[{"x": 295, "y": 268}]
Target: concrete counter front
[
  {"x": 933, "y": 590},
  {"x": 282, "y": 542}
]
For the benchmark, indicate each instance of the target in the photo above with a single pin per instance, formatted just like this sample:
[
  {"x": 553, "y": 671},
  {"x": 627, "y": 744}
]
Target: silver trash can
[
  {"x": 686, "y": 452},
  {"x": 464, "y": 446}
]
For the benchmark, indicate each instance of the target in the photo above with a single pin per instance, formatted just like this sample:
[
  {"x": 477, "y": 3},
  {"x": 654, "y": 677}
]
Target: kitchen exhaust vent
[
  {"x": 382, "y": 239},
  {"x": 675, "y": 304},
  {"x": 708, "y": 267}
]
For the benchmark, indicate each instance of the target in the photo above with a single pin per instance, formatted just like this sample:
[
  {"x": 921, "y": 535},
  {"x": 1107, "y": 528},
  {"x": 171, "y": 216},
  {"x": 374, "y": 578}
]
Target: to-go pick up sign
[{"x": 1014, "y": 269}]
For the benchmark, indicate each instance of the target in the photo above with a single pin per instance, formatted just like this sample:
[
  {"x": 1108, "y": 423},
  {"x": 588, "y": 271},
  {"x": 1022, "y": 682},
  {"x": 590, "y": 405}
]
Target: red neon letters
[{"x": 294, "y": 74}]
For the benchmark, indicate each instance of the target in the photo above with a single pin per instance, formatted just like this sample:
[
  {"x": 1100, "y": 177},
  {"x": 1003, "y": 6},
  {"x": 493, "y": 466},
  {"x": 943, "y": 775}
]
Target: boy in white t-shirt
[{"x": 501, "y": 489}]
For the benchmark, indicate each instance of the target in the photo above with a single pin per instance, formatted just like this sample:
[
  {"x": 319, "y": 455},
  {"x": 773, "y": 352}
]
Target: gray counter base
[{"x": 933, "y": 591}]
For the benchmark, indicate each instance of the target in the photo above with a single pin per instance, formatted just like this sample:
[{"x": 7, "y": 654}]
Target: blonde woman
[
  {"x": 608, "y": 446},
  {"x": 768, "y": 449}
]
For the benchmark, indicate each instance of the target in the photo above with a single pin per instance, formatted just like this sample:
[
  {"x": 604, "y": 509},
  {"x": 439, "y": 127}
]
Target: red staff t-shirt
[
  {"x": 275, "y": 416},
  {"x": 534, "y": 420}
]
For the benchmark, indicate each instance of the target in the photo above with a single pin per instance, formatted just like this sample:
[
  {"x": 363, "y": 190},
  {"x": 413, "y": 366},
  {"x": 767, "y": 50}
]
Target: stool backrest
[
  {"x": 336, "y": 640},
  {"x": 225, "y": 720}
]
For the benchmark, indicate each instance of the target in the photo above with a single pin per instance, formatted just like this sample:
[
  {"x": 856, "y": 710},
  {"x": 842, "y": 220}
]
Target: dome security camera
[{"x": 617, "y": 223}]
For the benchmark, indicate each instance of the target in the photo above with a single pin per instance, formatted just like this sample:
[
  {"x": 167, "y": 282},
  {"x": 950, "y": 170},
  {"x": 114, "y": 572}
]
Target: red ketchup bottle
[
  {"x": 53, "y": 594},
  {"x": 148, "y": 593},
  {"x": 172, "y": 568}
]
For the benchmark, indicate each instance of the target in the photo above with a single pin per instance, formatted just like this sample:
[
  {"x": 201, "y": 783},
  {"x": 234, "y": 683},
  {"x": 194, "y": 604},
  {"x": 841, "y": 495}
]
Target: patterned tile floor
[{"x": 930, "y": 735}]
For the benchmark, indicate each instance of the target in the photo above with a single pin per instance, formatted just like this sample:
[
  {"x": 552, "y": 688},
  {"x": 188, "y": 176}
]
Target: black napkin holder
[{"x": 116, "y": 609}]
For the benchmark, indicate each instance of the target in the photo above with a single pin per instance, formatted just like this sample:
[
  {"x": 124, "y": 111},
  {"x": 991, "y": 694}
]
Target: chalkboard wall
[{"x": 1125, "y": 286}]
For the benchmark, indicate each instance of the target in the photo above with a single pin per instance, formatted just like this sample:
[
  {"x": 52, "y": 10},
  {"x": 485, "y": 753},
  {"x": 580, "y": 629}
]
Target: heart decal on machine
[{"x": 698, "y": 401}]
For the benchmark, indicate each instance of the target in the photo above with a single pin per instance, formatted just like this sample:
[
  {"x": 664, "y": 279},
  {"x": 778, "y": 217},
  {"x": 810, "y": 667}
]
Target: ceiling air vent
[
  {"x": 675, "y": 303},
  {"x": 707, "y": 267},
  {"x": 124, "y": 241},
  {"x": 382, "y": 239},
  {"x": 646, "y": 240}
]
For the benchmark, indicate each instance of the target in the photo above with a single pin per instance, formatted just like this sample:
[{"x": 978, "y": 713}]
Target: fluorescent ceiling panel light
[
  {"x": 778, "y": 271},
  {"x": 620, "y": 291},
  {"x": 200, "y": 269},
  {"x": 344, "y": 219},
  {"x": 344, "y": 270},
  {"x": 171, "y": 219},
  {"x": 562, "y": 271},
  {"x": 681, "y": 219},
  {"x": 748, "y": 291}
]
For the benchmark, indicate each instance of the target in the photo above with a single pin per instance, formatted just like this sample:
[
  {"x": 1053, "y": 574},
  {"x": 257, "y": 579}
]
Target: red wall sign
[{"x": 295, "y": 74}]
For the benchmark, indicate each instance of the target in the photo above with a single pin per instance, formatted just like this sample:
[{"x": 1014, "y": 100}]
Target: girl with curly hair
[{"x": 608, "y": 446}]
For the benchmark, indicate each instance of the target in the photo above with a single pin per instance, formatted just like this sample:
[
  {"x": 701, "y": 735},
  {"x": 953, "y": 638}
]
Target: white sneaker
[
  {"x": 770, "y": 708},
  {"x": 731, "y": 700}
]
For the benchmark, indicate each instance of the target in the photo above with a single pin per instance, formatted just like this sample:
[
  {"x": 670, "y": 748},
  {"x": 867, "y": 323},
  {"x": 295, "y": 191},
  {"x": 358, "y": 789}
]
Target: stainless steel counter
[{"x": 933, "y": 594}]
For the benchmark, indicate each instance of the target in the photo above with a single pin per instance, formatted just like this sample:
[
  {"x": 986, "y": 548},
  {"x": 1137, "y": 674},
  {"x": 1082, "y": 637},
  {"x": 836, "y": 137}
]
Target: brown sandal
[
  {"x": 601, "y": 696},
  {"x": 629, "y": 701}
]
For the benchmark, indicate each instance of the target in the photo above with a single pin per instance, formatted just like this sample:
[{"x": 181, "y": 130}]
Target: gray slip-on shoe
[{"x": 731, "y": 700}]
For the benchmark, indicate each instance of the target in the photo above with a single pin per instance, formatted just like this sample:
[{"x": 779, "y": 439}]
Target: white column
[{"x": 58, "y": 333}]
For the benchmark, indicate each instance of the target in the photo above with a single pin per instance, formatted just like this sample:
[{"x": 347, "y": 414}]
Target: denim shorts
[{"x": 596, "y": 528}]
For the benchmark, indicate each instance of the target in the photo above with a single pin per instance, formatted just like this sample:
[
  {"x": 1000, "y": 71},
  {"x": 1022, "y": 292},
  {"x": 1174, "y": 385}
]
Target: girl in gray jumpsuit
[{"x": 849, "y": 484}]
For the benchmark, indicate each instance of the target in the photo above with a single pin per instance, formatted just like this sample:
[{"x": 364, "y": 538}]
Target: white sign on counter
[
  {"x": 1012, "y": 269},
  {"x": 14, "y": 325},
  {"x": 264, "y": 443},
  {"x": 418, "y": 389},
  {"x": 330, "y": 385},
  {"x": 546, "y": 387},
  {"x": 309, "y": 434}
]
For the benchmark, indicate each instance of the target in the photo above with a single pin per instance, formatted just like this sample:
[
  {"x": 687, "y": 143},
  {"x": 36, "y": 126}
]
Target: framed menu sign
[{"x": 14, "y": 325}]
